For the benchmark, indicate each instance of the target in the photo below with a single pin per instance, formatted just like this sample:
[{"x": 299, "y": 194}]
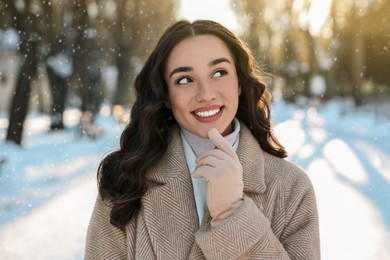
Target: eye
[
  {"x": 220, "y": 73},
  {"x": 183, "y": 80}
]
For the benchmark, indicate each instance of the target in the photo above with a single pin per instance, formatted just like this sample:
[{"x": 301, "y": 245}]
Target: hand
[{"x": 223, "y": 172}]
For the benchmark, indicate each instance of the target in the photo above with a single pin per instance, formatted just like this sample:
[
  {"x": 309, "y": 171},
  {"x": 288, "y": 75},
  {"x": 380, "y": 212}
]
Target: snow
[
  {"x": 48, "y": 187},
  {"x": 347, "y": 157},
  {"x": 61, "y": 64},
  {"x": 9, "y": 40}
]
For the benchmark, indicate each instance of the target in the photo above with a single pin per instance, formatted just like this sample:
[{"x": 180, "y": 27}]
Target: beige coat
[{"x": 277, "y": 220}]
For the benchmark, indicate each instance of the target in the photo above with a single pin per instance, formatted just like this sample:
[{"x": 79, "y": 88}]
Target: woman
[{"x": 199, "y": 173}]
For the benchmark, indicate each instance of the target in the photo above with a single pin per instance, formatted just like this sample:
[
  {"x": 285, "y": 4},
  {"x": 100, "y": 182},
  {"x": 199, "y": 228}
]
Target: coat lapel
[
  {"x": 252, "y": 161},
  {"x": 169, "y": 206}
]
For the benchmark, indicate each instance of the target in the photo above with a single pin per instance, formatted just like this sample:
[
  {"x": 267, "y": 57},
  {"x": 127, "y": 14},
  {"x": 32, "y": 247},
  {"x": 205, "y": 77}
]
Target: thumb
[{"x": 220, "y": 142}]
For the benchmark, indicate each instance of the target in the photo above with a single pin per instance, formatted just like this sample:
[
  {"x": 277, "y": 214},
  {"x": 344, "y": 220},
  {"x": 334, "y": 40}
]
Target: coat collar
[{"x": 168, "y": 207}]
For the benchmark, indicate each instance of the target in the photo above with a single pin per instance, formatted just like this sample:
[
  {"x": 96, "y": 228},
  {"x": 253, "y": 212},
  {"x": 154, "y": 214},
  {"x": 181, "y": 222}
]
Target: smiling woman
[{"x": 199, "y": 173}]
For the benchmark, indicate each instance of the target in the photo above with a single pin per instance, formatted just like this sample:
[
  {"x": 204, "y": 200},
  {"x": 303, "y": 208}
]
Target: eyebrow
[
  {"x": 187, "y": 69},
  {"x": 218, "y": 61},
  {"x": 180, "y": 69}
]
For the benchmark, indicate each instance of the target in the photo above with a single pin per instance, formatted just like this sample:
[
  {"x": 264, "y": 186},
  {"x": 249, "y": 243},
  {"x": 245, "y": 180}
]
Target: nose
[{"x": 205, "y": 91}]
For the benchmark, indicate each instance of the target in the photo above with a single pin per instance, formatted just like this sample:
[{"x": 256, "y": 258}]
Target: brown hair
[{"x": 122, "y": 174}]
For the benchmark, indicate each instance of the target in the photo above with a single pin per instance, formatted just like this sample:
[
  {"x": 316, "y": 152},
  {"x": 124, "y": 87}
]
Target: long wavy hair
[{"x": 122, "y": 174}]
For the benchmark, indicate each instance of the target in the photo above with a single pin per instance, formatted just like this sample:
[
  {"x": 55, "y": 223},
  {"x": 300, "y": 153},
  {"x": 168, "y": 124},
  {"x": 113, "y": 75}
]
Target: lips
[{"x": 208, "y": 114}]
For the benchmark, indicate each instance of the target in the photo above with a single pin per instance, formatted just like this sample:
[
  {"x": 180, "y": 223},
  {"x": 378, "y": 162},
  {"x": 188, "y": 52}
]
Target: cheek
[
  {"x": 177, "y": 100},
  {"x": 234, "y": 92}
]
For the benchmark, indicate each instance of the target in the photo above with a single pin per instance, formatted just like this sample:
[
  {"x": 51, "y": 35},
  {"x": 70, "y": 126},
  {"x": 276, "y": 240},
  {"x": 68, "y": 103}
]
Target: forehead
[{"x": 198, "y": 49}]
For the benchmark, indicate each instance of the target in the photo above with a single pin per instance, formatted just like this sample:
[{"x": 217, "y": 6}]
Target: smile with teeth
[{"x": 209, "y": 113}]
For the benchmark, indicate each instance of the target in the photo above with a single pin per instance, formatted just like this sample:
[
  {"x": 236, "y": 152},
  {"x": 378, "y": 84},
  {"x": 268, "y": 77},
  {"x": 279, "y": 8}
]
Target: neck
[{"x": 200, "y": 145}]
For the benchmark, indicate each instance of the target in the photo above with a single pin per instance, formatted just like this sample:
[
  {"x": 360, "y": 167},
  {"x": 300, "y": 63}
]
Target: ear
[{"x": 239, "y": 90}]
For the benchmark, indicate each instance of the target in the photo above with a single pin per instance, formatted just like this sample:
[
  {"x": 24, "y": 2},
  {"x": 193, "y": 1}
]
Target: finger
[
  {"x": 217, "y": 153},
  {"x": 208, "y": 161},
  {"x": 201, "y": 172},
  {"x": 220, "y": 142}
]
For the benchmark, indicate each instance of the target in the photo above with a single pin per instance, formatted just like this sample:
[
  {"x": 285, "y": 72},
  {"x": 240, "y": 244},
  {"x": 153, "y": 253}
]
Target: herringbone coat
[{"x": 277, "y": 219}]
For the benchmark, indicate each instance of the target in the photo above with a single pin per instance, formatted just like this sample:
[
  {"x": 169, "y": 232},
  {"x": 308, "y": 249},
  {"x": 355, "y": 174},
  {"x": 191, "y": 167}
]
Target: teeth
[{"x": 208, "y": 113}]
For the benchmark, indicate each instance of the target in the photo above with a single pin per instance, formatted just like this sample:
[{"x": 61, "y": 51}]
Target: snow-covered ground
[
  {"x": 48, "y": 187},
  {"x": 347, "y": 156}
]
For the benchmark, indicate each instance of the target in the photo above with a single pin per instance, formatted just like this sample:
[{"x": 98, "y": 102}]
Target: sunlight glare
[
  {"x": 291, "y": 135},
  {"x": 344, "y": 161},
  {"x": 353, "y": 208},
  {"x": 306, "y": 151},
  {"x": 217, "y": 10},
  {"x": 317, "y": 134},
  {"x": 378, "y": 159},
  {"x": 318, "y": 13}
]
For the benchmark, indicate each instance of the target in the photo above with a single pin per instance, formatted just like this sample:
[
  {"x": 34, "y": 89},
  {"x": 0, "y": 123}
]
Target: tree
[
  {"x": 58, "y": 60},
  {"x": 362, "y": 30},
  {"x": 278, "y": 42},
  {"x": 136, "y": 30},
  {"x": 252, "y": 14},
  {"x": 75, "y": 39},
  {"x": 24, "y": 20},
  {"x": 350, "y": 47}
]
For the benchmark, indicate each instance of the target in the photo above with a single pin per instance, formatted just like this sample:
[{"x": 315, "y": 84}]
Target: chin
[{"x": 203, "y": 134}]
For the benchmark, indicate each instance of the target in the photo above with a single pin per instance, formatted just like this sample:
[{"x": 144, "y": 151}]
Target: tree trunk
[
  {"x": 125, "y": 76},
  {"x": 59, "y": 92},
  {"x": 58, "y": 57},
  {"x": 358, "y": 63},
  {"x": 25, "y": 23},
  {"x": 86, "y": 61},
  {"x": 125, "y": 51},
  {"x": 20, "y": 100}
]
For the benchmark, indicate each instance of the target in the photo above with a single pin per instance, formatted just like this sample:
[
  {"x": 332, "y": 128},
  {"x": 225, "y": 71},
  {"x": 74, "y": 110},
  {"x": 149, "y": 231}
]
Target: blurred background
[{"x": 66, "y": 73}]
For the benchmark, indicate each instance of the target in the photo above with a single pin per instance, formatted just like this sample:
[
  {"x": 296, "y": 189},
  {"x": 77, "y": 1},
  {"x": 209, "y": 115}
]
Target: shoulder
[
  {"x": 285, "y": 171},
  {"x": 282, "y": 167},
  {"x": 274, "y": 167},
  {"x": 288, "y": 179}
]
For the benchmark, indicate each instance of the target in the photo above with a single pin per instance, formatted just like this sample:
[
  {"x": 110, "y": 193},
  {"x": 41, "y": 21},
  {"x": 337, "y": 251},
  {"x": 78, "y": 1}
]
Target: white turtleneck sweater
[{"x": 194, "y": 146}]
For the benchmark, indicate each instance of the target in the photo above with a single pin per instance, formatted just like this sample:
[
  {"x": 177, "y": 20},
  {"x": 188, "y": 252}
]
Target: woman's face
[{"x": 202, "y": 85}]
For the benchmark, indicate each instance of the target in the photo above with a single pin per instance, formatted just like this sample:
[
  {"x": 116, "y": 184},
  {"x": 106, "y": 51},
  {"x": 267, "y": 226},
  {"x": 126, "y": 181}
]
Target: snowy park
[
  {"x": 48, "y": 186},
  {"x": 66, "y": 74}
]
